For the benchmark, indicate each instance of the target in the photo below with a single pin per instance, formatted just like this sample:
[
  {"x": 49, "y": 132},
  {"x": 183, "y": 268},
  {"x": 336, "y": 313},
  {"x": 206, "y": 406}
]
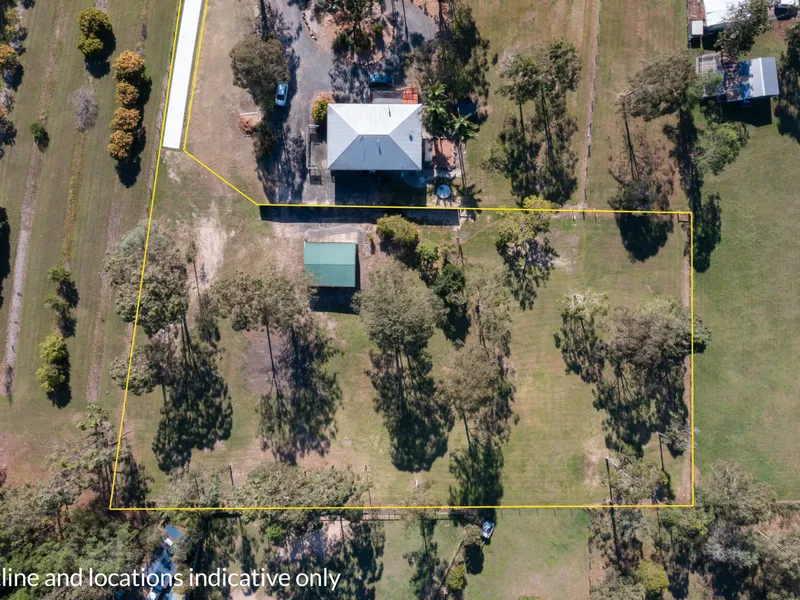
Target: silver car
[{"x": 282, "y": 94}]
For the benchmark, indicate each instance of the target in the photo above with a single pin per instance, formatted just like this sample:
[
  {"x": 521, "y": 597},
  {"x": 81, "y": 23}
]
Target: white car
[{"x": 282, "y": 94}]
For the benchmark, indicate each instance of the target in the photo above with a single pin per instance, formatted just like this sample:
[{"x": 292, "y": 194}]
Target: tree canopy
[
  {"x": 744, "y": 22},
  {"x": 259, "y": 66}
]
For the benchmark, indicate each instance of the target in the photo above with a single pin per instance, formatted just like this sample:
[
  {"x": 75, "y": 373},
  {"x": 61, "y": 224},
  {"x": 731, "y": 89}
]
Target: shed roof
[
  {"x": 331, "y": 264},
  {"x": 375, "y": 137}
]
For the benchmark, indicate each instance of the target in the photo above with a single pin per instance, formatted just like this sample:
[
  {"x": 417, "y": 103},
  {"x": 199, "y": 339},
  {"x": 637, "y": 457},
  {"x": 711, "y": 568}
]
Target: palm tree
[
  {"x": 462, "y": 129},
  {"x": 436, "y": 113}
]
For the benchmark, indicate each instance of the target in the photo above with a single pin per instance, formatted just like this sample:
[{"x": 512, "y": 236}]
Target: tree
[
  {"x": 126, "y": 94},
  {"x": 524, "y": 75},
  {"x": 86, "y": 108},
  {"x": 736, "y": 496},
  {"x": 528, "y": 255},
  {"x": 660, "y": 87},
  {"x": 744, "y": 22},
  {"x": 792, "y": 56},
  {"x": 40, "y": 135},
  {"x": 129, "y": 67},
  {"x": 638, "y": 195},
  {"x": 319, "y": 110},
  {"x": 475, "y": 387},
  {"x": 719, "y": 146},
  {"x": 579, "y": 337},
  {"x": 618, "y": 587},
  {"x": 95, "y": 28},
  {"x": 120, "y": 144},
  {"x": 653, "y": 577},
  {"x": 126, "y": 119},
  {"x": 398, "y": 230},
  {"x": 9, "y": 61},
  {"x": 259, "y": 66},
  {"x": 398, "y": 311},
  {"x": 450, "y": 285},
  {"x": 164, "y": 289},
  {"x": 436, "y": 114},
  {"x": 427, "y": 259},
  {"x": 462, "y": 129},
  {"x": 490, "y": 302},
  {"x": 457, "y": 578},
  {"x": 54, "y": 372},
  {"x": 280, "y": 485}
]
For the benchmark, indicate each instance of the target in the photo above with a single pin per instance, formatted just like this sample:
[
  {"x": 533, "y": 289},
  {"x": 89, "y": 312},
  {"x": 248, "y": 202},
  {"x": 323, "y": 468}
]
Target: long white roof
[
  {"x": 717, "y": 11},
  {"x": 375, "y": 137}
]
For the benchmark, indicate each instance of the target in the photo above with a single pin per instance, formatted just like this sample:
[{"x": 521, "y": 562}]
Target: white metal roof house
[
  {"x": 374, "y": 137},
  {"x": 742, "y": 80}
]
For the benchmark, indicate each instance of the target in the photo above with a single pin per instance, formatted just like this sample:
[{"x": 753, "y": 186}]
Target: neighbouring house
[
  {"x": 374, "y": 137},
  {"x": 715, "y": 13},
  {"x": 331, "y": 264},
  {"x": 742, "y": 80}
]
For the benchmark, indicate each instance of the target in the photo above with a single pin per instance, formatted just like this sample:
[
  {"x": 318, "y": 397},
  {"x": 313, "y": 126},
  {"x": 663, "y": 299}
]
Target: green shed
[{"x": 331, "y": 264}]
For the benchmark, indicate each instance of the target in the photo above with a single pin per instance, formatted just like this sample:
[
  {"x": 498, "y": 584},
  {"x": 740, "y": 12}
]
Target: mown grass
[
  {"x": 30, "y": 421},
  {"x": 630, "y": 34},
  {"x": 746, "y": 382},
  {"x": 511, "y": 28}
]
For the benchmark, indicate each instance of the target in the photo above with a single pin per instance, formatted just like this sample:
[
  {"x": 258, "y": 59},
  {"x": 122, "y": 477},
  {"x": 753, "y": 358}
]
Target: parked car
[
  {"x": 381, "y": 79},
  {"x": 282, "y": 94},
  {"x": 487, "y": 530}
]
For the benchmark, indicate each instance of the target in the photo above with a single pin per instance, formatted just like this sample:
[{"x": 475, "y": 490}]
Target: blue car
[
  {"x": 381, "y": 79},
  {"x": 282, "y": 94}
]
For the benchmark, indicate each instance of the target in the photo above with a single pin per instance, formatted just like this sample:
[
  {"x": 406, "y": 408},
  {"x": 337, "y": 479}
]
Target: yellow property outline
[{"x": 371, "y": 207}]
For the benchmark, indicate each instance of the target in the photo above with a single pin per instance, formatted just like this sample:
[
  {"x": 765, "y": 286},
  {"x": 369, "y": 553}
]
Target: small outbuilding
[
  {"x": 331, "y": 264},
  {"x": 741, "y": 80}
]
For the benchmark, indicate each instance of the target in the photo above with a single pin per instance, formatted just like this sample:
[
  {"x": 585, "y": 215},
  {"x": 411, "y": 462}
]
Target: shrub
[
  {"x": 85, "y": 109},
  {"x": 39, "y": 134},
  {"x": 129, "y": 67},
  {"x": 361, "y": 41},
  {"x": 54, "y": 349},
  {"x": 126, "y": 119},
  {"x": 450, "y": 285},
  {"x": 457, "y": 578},
  {"x": 343, "y": 43},
  {"x": 653, "y": 577},
  {"x": 276, "y": 532},
  {"x": 8, "y": 58},
  {"x": 95, "y": 29},
  {"x": 120, "y": 145},
  {"x": 377, "y": 29},
  {"x": 396, "y": 229},
  {"x": 126, "y": 94},
  {"x": 319, "y": 111},
  {"x": 427, "y": 257},
  {"x": 51, "y": 377}
]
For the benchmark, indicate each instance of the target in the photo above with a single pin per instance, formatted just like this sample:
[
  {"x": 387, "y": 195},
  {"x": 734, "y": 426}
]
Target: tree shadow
[
  {"x": 478, "y": 473},
  {"x": 128, "y": 169},
  {"x": 528, "y": 267},
  {"x": 283, "y": 173},
  {"x": 417, "y": 420},
  {"x": 197, "y": 411},
  {"x": 356, "y": 557},
  {"x": 99, "y": 65},
  {"x": 302, "y": 421},
  {"x": 787, "y": 106},
  {"x": 62, "y": 395},
  {"x": 643, "y": 235},
  {"x": 5, "y": 250},
  {"x": 707, "y": 230},
  {"x": 132, "y": 486}
]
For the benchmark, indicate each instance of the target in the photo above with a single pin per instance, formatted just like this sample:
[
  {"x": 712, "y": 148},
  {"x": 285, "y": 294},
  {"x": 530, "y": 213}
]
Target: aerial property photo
[{"x": 399, "y": 299}]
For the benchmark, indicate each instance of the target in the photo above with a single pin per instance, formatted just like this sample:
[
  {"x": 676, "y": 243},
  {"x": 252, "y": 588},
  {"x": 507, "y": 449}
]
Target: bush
[
  {"x": 126, "y": 94},
  {"x": 120, "y": 145},
  {"x": 9, "y": 60},
  {"x": 361, "y": 41},
  {"x": 396, "y": 229},
  {"x": 85, "y": 109},
  {"x": 126, "y": 119},
  {"x": 457, "y": 578},
  {"x": 343, "y": 43},
  {"x": 427, "y": 257},
  {"x": 55, "y": 358},
  {"x": 51, "y": 377},
  {"x": 39, "y": 134},
  {"x": 450, "y": 284},
  {"x": 129, "y": 67},
  {"x": 259, "y": 66},
  {"x": 95, "y": 29},
  {"x": 319, "y": 111},
  {"x": 276, "y": 532},
  {"x": 263, "y": 140},
  {"x": 653, "y": 577},
  {"x": 54, "y": 349},
  {"x": 377, "y": 29}
]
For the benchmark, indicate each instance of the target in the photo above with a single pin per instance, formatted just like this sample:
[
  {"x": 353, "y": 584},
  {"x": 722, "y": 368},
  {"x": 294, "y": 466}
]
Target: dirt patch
[
  {"x": 566, "y": 244},
  {"x": 594, "y": 451},
  {"x": 211, "y": 239}
]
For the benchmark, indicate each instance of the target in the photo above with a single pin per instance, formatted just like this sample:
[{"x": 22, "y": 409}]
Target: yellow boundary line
[{"x": 371, "y": 207}]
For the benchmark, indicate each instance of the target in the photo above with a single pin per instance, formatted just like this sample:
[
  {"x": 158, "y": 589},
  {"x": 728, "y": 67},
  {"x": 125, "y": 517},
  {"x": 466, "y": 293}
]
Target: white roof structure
[
  {"x": 717, "y": 12},
  {"x": 375, "y": 137},
  {"x": 760, "y": 77}
]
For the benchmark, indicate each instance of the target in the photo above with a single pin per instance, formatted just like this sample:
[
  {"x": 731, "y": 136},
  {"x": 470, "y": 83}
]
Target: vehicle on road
[{"x": 282, "y": 95}]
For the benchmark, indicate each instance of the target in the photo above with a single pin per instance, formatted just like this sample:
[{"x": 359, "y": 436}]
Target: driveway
[{"x": 314, "y": 68}]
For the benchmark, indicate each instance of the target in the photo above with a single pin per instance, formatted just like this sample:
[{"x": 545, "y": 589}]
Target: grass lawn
[
  {"x": 747, "y": 383},
  {"x": 555, "y": 451},
  {"x": 630, "y": 33},
  {"x": 514, "y": 27},
  {"x": 541, "y": 553},
  {"x": 30, "y": 425}
]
